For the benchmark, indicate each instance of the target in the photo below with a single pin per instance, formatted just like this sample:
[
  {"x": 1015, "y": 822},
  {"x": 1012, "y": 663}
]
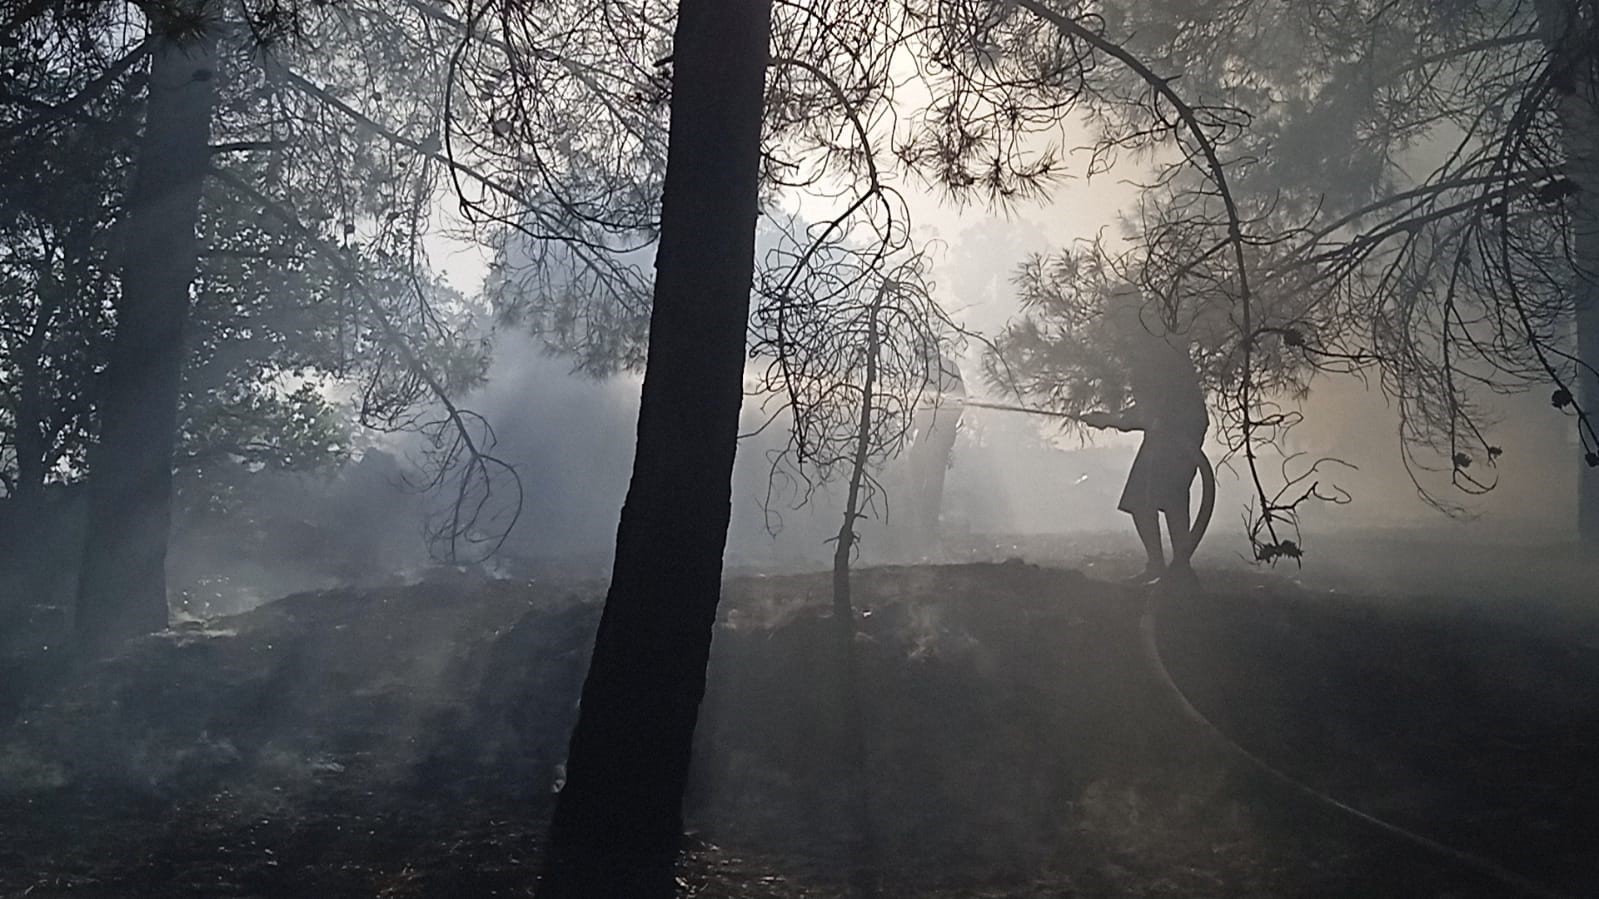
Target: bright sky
[{"x": 975, "y": 249}]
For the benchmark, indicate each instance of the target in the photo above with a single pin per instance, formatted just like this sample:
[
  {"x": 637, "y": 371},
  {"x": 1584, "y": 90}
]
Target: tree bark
[
  {"x": 1579, "y": 118},
  {"x": 1567, "y": 35},
  {"x": 1588, "y": 388},
  {"x": 27, "y": 503},
  {"x": 843, "y": 607},
  {"x": 618, "y": 820},
  {"x": 30, "y": 443},
  {"x": 852, "y": 733},
  {"x": 122, "y": 592},
  {"x": 33, "y": 405}
]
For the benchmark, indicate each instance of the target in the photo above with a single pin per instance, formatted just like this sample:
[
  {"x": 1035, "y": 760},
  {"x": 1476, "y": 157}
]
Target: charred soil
[{"x": 406, "y": 741}]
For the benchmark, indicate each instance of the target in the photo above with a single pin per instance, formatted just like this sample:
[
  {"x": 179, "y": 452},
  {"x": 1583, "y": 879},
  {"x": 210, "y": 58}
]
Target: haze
[{"x": 829, "y": 449}]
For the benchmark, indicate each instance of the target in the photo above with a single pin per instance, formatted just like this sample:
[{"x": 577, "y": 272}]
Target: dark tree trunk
[
  {"x": 1583, "y": 161},
  {"x": 1580, "y": 119},
  {"x": 30, "y": 441},
  {"x": 1568, "y": 33},
  {"x": 25, "y": 544},
  {"x": 33, "y": 403},
  {"x": 618, "y": 820},
  {"x": 122, "y": 592},
  {"x": 843, "y": 607},
  {"x": 1588, "y": 381}
]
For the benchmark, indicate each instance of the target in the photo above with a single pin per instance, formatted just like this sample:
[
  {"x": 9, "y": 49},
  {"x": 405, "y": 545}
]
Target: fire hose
[{"x": 1207, "y": 473}]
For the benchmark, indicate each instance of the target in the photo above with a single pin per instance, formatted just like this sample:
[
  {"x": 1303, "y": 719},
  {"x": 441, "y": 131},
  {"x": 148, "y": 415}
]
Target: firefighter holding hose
[{"x": 1168, "y": 407}]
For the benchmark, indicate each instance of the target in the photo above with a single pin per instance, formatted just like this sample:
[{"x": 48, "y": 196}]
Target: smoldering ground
[{"x": 360, "y": 739}]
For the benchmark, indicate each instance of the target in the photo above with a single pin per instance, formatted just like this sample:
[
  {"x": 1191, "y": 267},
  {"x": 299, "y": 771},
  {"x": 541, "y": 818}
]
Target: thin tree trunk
[
  {"x": 618, "y": 820},
  {"x": 122, "y": 591},
  {"x": 1579, "y": 114},
  {"x": 1588, "y": 352},
  {"x": 33, "y": 407},
  {"x": 843, "y": 607},
  {"x": 28, "y": 509},
  {"x": 1582, "y": 143},
  {"x": 857, "y": 785},
  {"x": 30, "y": 443},
  {"x": 1566, "y": 34}
]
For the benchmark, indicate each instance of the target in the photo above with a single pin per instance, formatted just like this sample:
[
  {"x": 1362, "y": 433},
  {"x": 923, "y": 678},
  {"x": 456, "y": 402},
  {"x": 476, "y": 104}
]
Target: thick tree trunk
[
  {"x": 122, "y": 592},
  {"x": 618, "y": 820}
]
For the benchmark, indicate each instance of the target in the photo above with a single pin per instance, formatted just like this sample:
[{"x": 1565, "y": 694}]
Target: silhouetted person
[
  {"x": 932, "y": 441},
  {"x": 1168, "y": 406}
]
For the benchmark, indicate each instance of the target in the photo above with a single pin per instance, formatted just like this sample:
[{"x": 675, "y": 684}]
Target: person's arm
[{"x": 1129, "y": 419}]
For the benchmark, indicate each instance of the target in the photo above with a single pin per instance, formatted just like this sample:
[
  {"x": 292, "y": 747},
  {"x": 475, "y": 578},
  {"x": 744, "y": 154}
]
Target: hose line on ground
[{"x": 1478, "y": 864}]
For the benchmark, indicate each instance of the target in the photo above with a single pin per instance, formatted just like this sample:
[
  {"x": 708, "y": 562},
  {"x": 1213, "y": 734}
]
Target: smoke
[
  {"x": 571, "y": 440},
  {"x": 1533, "y": 495}
]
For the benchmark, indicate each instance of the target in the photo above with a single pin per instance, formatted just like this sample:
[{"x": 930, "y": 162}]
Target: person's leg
[
  {"x": 941, "y": 444},
  {"x": 1182, "y": 542},
  {"x": 1147, "y": 523},
  {"x": 1138, "y": 501}
]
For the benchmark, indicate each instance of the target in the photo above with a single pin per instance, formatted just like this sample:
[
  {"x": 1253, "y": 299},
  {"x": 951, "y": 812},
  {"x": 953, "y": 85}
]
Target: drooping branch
[
  {"x": 462, "y": 441},
  {"x": 1217, "y": 173}
]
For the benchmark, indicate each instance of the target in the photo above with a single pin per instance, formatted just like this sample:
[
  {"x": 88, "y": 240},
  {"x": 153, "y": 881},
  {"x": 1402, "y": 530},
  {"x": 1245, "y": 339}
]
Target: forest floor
[{"x": 406, "y": 741}]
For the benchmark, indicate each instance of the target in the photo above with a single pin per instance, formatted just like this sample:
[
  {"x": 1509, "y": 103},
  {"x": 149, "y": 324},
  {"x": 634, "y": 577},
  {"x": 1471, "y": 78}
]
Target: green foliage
[
  {"x": 294, "y": 319},
  {"x": 1328, "y": 95},
  {"x": 60, "y": 201},
  {"x": 1072, "y": 350},
  {"x": 226, "y": 440},
  {"x": 1063, "y": 351},
  {"x": 294, "y": 430}
]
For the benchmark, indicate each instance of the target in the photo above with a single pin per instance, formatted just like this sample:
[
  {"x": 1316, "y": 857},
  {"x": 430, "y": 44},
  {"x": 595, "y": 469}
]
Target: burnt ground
[{"x": 405, "y": 741}]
